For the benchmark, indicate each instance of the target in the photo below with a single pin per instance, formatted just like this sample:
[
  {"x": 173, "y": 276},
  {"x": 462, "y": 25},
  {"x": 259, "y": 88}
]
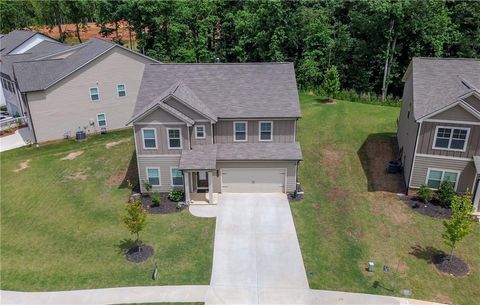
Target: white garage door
[{"x": 253, "y": 180}]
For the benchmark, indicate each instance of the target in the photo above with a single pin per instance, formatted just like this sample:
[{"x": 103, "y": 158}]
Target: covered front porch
[
  {"x": 198, "y": 166},
  {"x": 476, "y": 187}
]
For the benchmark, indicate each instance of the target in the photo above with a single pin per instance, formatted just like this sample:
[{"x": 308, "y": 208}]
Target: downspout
[
  {"x": 414, "y": 155},
  {"x": 30, "y": 118}
]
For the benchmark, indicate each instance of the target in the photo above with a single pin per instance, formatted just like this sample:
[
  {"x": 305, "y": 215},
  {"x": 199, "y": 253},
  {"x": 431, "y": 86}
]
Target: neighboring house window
[
  {"x": 121, "y": 91},
  {"x": 200, "y": 132},
  {"x": 174, "y": 138},
  {"x": 153, "y": 175},
  {"x": 451, "y": 138},
  {"x": 265, "y": 129},
  {"x": 149, "y": 138},
  {"x": 102, "y": 120},
  {"x": 177, "y": 177},
  {"x": 94, "y": 96},
  {"x": 240, "y": 131},
  {"x": 436, "y": 176}
]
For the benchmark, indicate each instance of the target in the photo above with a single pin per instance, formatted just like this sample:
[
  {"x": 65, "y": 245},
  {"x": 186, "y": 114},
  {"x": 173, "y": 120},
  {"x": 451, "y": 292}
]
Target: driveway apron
[{"x": 256, "y": 248}]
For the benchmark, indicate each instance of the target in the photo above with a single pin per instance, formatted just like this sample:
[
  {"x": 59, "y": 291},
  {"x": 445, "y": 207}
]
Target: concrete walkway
[
  {"x": 203, "y": 210},
  {"x": 16, "y": 140}
]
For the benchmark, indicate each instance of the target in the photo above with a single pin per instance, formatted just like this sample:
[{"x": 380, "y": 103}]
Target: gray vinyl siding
[
  {"x": 208, "y": 134},
  {"x": 158, "y": 116},
  {"x": 283, "y": 131},
  {"x": 427, "y": 137},
  {"x": 162, "y": 162},
  {"x": 291, "y": 167},
  {"x": 184, "y": 109},
  {"x": 456, "y": 113},
  {"x": 162, "y": 139},
  {"x": 467, "y": 169},
  {"x": 473, "y": 101},
  {"x": 407, "y": 129}
]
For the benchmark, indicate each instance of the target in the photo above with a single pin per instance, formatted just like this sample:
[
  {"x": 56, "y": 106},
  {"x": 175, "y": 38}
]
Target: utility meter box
[{"x": 371, "y": 265}]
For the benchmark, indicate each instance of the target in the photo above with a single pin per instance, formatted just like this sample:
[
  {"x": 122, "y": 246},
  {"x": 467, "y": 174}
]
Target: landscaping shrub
[
  {"x": 156, "y": 199},
  {"x": 331, "y": 82},
  {"x": 445, "y": 193},
  {"x": 425, "y": 193},
  {"x": 175, "y": 195},
  {"x": 367, "y": 98},
  {"x": 148, "y": 186}
]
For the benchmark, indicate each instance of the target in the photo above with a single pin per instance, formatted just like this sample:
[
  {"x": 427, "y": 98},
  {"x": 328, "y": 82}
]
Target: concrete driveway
[{"x": 256, "y": 249}]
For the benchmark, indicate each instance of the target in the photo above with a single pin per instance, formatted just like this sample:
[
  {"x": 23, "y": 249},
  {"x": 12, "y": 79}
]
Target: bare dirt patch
[
  {"x": 73, "y": 155},
  {"x": 331, "y": 157},
  {"x": 23, "y": 165},
  {"x": 117, "y": 178},
  {"x": 79, "y": 175},
  {"x": 388, "y": 205},
  {"x": 112, "y": 144}
]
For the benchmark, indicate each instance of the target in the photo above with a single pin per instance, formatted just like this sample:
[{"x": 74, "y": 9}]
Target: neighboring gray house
[
  {"x": 439, "y": 124},
  {"x": 218, "y": 127},
  {"x": 63, "y": 89}
]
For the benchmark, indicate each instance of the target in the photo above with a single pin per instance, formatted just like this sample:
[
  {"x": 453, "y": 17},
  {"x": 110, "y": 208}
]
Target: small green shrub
[
  {"x": 156, "y": 199},
  {"x": 148, "y": 186},
  {"x": 425, "y": 193},
  {"x": 445, "y": 193},
  {"x": 175, "y": 195}
]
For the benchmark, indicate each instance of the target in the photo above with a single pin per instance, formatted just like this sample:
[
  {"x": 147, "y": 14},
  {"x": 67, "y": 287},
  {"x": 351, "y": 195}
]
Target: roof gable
[{"x": 457, "y": 113}]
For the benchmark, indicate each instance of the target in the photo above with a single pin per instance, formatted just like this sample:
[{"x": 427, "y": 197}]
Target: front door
[{"x": 202, "y": 180}]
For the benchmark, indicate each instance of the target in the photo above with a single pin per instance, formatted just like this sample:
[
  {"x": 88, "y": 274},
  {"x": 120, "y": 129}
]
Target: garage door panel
[{"x": 253, "y": 180}]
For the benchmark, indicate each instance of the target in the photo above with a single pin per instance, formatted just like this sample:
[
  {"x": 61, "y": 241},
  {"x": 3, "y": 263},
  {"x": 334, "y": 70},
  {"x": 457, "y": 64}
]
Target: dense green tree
[
  {"x": 331, "y": 82},
  {"x": 15, "y": 15},
  {"x": 51, "y": 13},
  {"x": 78, "y": 12}
]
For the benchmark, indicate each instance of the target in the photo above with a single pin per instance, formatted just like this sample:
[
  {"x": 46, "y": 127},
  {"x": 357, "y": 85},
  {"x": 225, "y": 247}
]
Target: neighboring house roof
[
  {"x": 242, "y": 90},
  {"x": 439, "y": 82},
  {"x": 12, "y": 40},
  {"x": 40, "y": 74}
]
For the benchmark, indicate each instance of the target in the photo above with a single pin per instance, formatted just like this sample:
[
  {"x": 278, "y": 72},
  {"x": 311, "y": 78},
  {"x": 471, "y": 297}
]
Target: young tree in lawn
[
  {"x": 460, "y": 223},
  {"x": 331, "y": 82},
  {"x": 135, "y": 218}
]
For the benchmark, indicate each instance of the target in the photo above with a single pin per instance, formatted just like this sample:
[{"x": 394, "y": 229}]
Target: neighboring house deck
[
  {"x": 439, "y": 124},
  {"x": 218, "y": 128},
  {"x": 62, "y": 89}
]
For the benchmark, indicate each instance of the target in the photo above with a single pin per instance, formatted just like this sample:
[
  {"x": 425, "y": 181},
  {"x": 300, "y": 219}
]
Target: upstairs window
[
  {"x": 265, "y": 130},
  {"x": 102, "y": 120},
  {"x": 149, "y": 138},
  {"x": 94, "y": 96},
  {"x": 200, "y": 132},
  {"x": 436, "y": 176},
  {"x": 451, "y": 138},
  {"x": 240, "y": 131},
  {"x": 153, "y": 175},
  {"x": 121, "y": 91},
  {"x": 174, "y": 138},
  {"x": 177, "y": 177}
]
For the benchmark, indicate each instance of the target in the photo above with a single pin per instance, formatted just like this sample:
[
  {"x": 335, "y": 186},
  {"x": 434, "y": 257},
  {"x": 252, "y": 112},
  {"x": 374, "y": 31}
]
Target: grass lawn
[
  {"x": 61, "y": 227},
  {"x": 344, "y": 222}
]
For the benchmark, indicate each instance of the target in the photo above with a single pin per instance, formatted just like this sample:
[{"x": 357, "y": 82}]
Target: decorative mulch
[
  {"x": 166, "y": 205},
  {"x": 432, "y": 209},
  {"x": 138, "y": 254},
  {"x": 455, "y": 267}
]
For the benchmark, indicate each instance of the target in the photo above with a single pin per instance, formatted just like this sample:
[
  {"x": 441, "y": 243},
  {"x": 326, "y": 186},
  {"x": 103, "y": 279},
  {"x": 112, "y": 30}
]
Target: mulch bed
[
  {"x": 432, "y": 209},
  {"x": 166, "y": 205},
  {"x": 138, "y": 254},
  {"x": 297, "y": 198},
  {"x": 456, "y": 267}
]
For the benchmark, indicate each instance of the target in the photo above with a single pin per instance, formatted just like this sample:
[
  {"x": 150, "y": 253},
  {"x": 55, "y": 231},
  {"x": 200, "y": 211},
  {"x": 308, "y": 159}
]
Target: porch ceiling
[{"x": 200, "y": 157}]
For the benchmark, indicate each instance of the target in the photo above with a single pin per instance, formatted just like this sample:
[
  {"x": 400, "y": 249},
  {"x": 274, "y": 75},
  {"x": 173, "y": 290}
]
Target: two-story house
[
  {"x": 62, "y": 89},
  {"x": 218, "y": 128},
  {"x": 439, "y": 124}
]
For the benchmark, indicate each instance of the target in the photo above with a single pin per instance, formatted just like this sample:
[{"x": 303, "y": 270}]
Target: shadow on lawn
[
  {"x": 126, "y": 244},
  {"x": 374, "y": 154},
  {"x": 131, "y": 174},
  {"x": 426, "y": 253}
]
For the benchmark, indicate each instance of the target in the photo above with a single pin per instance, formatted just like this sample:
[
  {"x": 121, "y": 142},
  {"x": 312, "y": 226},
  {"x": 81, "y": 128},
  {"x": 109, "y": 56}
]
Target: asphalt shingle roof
[
  {"x": 12, "y": 40},
  {"x": 250, "y": 90},
  {"x": 200, "y": 157},
  {"x": 438, "y": 82}
]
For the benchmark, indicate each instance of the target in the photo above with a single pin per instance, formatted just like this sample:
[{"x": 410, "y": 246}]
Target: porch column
[
  {"x": 186, "y": 180},
  {"x": 210, "y": 187},
  {"x": 476, "y": 196}
]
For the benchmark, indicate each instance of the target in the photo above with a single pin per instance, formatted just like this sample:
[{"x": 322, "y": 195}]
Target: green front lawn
[
  {"x": 350, "y": 216},
  {"x": 61, "y": 227}
]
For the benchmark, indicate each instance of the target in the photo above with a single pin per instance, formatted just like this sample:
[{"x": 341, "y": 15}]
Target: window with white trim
[
  {"x": 436, "y": 176},
  {"x": 177, "y": 177},
  {"x": 174, "y": 138},
  {"x": 149, "y": 138},
  {"x": 240, "y": 131},
  {"x": 121, "y": 91},
  {"x": 102, "y": 120},
  {"x": 153, "y": 175},
  {"x": 265, "y": 129},
  {"x": 200, "y": 132},
  {"x": 94, "y": 96},
  {"x": 451, "y": 138}
]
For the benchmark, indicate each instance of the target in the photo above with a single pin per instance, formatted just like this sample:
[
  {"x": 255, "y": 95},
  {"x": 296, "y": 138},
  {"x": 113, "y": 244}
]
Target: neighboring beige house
[
  {"x": 439, "y": 124},
  {"x": 88, "y": 87},
  {"x": 216, "y": 128}
]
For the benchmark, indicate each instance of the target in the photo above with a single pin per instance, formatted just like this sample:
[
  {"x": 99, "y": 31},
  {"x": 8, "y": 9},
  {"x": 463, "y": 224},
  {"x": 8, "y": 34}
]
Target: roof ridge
[
  {"x": 223, "y": 63},
  {"x": 447, "y": 58}
]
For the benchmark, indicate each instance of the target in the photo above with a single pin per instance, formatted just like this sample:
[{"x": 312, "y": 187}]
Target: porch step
[
  {"x": 477, "y": 216},
  {"x": 202, "y": 199}
]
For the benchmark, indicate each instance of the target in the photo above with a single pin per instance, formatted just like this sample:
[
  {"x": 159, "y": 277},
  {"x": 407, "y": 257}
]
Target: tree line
[{"x": 369, "y": 42}]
